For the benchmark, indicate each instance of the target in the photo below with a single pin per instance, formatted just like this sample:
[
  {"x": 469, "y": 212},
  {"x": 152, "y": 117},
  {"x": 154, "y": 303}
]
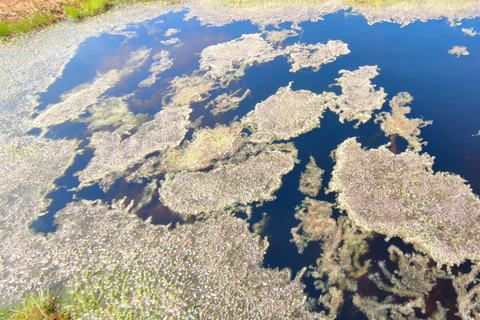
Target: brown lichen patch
[
  {"x": 315, "y": 55},
  {"x": 255, "y": 179},
  {"x": 227, "y": 101},
  {"x": 311, "y": 179},
  {"x": 161, "y": 64},
  {"x": 207, "y": 145},
  {"x": 459, "y": 51},
  {"x": 469, "y": 32},
  {"x": 112, "y": 112},
  {"x": 75, "y": 102},
  {"x": 227, "y": 61},
  {"x": 359, "y": 98},
  {"x": 189, "y": 89},
  {"x": 114, "y": 155},
  {"x": 395, "y": 122},
  {"x": 343, "y": 244},
  {"x": 287, "y": 114},
  {"x": 399, "y": 195},
  {"x": 468, "y": 293}
]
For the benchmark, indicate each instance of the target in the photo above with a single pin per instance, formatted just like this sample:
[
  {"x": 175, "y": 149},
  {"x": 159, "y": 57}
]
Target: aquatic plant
[
  {"x": 161, "y": 64},
  {"x": 186, "y": 90},
  {"x": 276, "y": 37},
  {"x": 227, "y": 101},
  {"x": 311, "y": 179},
  {"x": 228, "y": 185},
  {"x": 316, "y": 223},
  {"x": 413, "y": 278},
  {"x": 227, "y": 61},
  {"x": 111, "y": 113},
  {"x": 409, "y": 286},
  {"x": 114, "y": 153},
  {"x": 287, "y": 114},
  {"x": 114, "y": 265},
  {"x": 30, "y": 165},
  {"x": 359, "y": 98},
  {"x": 399, "y": 195},
  {"x": 395, "y": 122},
  {"x": 459, "y": 51},
  {"x": 206, "y": 146},
  {"x": 343, "y": 244},
  {"x": 468, "y": 293},
  {"x": 315, "y": 55},
  {"x": 75, "y": 103}
]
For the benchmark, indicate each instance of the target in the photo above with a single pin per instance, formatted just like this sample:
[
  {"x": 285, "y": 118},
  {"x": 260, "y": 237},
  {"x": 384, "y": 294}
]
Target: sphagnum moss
[
  {"x": 399, "y": 195},
  {"x": 114, "y": 265},
  {"x": 113, "y": 155},
  {"x": 227, "y": 186},
  {"x": 287, "y": 114},
  {"x": 359, "y": 99}
]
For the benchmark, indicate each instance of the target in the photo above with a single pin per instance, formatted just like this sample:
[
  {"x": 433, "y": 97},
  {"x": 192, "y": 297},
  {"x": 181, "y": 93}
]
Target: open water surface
[{"x": 413, "y": 58}]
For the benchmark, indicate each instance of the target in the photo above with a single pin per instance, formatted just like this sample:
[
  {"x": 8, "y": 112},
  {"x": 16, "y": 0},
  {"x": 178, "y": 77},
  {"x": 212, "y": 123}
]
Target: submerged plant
[{"x": 396, "y": 123}]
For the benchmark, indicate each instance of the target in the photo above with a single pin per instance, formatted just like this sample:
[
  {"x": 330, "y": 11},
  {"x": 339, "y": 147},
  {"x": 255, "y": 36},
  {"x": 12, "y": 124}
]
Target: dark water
[{"x": 413, "y": 59}]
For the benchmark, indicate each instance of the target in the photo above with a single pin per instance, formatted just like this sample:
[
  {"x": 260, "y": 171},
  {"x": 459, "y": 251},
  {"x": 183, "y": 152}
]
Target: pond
[{"x": 177, "y": 166}]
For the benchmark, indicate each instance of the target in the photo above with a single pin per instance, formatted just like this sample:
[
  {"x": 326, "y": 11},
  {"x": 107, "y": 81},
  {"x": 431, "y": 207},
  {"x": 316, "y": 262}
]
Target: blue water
[{"x": 413, "y": 59}]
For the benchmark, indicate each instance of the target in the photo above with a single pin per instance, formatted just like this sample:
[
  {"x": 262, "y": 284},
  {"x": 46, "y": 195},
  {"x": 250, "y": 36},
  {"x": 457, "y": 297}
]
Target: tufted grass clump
[
  {"x": 36, "y": 306},
  {"x": 35, "y": 21},
  {"x": 81, "y": 9}
]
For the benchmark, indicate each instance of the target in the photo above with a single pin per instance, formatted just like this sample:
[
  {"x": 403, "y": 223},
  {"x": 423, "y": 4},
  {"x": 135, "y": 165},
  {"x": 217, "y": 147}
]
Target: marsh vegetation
[{"x": 182, "y": 165}]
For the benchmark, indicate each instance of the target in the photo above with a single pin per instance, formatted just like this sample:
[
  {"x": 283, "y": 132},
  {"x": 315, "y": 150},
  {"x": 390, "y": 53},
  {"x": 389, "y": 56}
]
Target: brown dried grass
[{"x": 14, "y": 10}]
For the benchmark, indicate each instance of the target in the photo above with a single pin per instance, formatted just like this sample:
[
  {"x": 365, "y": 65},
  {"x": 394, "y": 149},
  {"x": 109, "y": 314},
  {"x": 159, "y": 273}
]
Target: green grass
[
  {"x": 36, "y": 21},
  {"x": 42, "y": 305},
  {"x": 81, "y": 9}
]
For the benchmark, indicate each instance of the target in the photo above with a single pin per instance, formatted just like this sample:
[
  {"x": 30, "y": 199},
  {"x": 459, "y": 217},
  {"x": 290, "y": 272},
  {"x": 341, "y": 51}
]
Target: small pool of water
[{"x": 413, "y": 58}]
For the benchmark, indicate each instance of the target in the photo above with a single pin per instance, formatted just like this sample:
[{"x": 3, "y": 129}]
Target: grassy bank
[{"x": 18, "y": 16}]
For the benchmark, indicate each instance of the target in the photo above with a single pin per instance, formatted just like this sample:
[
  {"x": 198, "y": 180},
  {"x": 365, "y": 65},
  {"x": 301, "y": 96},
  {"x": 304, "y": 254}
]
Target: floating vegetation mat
[
  {"x": 287, "y": 114},
  {"x": 256, "y": 179},
  {"x": 400, "y": 196},
  {"x": 148, "y": 161}
]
